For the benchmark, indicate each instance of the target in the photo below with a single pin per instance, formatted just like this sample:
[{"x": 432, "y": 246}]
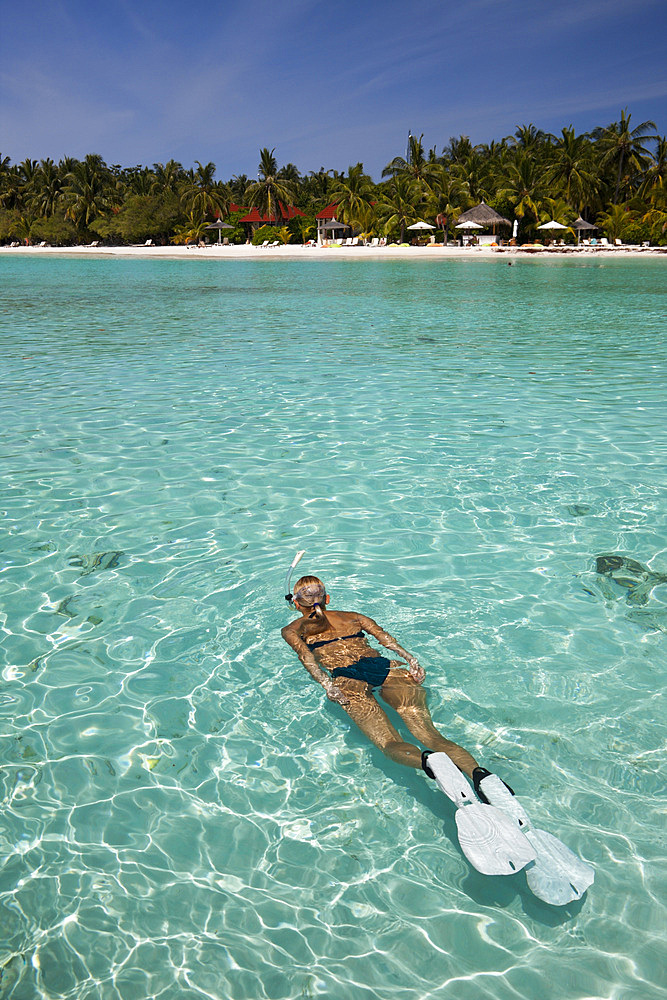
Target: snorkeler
[
  {"x": 495, "y": 833},
  {"x": 333, "y": 647}
]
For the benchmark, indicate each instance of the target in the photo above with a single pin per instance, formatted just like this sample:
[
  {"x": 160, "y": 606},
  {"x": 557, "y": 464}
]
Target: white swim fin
[
  {"x": 557, "y": 876},
  {"x": 491, "y": 841}
]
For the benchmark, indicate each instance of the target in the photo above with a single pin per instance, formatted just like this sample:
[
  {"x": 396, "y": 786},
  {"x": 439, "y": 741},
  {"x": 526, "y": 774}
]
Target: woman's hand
[
  {"x": 335, "y": 694},
  {"x": 416, "y": 672}
]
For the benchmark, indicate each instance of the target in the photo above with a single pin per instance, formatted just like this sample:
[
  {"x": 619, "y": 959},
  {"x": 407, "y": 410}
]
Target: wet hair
[{"x": 310, "y": 592}]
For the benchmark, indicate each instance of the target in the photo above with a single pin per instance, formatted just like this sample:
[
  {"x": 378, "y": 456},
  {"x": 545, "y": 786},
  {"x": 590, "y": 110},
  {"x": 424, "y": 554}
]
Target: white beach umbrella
[
  {"x": 469, "y": 225},
  {"x": 515, "y": 229},
  {"x": 552, "y": 225},
  {"x": 421, "y": 225}
]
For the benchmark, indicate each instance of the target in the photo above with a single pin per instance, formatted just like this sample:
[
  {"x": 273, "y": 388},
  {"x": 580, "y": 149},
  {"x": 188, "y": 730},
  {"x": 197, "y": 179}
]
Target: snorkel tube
[{"x": 295, "y": 561}]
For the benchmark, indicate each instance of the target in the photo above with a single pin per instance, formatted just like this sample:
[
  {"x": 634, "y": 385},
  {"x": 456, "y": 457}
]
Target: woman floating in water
[
  {"x": 333, "y": 647},
  {"x": 495, "y": 834}
]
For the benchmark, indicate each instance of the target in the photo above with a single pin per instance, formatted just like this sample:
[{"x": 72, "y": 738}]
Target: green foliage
[
  {"x": 56, "y": 230},
  {"x": 142, "y": 217},
  {"x": 302, "y": 227},
  {"x": 637, "y": 232},
  {"x": 616, "y": 222},
  {"x": 238, "y": 233},
  {"x": 529, "y": 175},
  {"x": 272, "y": 190},
  {"x": 8, "y": 220},
  {"x": 264, "y": 233}
]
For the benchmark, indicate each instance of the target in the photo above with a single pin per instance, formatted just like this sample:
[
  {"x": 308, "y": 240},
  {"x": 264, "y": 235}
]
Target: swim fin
[
  {"x": 557, "y": 876},
  {"x": 491, "y": 841}
]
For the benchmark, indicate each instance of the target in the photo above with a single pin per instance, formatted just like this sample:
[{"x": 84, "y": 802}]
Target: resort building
[
  {"x": 254, "y": 218},
  {"x": 325, "y": 231}
]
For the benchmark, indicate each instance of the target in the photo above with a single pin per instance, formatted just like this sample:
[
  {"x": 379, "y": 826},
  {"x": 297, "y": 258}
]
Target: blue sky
[{"x": 326, "y": 83}]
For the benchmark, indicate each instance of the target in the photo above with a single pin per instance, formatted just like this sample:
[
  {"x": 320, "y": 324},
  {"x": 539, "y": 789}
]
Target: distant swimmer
[{"x": 494, "y": 831}]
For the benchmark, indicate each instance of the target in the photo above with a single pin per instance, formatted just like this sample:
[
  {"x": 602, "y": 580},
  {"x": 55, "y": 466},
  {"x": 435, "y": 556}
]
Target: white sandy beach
[{"x": 295, "y": 252}]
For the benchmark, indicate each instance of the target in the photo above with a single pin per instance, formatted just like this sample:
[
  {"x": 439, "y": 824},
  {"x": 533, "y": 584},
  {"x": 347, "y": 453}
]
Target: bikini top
[{"x": 340, "y": 638}]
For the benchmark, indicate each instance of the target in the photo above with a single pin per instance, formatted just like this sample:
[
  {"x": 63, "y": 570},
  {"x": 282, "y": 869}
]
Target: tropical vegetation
[{"x": 614, "y": 176}]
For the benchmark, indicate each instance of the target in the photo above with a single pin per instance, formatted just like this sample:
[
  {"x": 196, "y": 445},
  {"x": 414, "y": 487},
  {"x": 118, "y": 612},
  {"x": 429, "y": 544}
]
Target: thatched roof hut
[
  {"x": 583, "y": 224},
  {"x": 483, "y": 215}
]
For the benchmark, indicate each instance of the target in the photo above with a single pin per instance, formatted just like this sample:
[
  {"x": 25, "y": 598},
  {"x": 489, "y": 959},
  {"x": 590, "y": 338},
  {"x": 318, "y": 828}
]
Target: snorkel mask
[{"x": 288, "y": 595}]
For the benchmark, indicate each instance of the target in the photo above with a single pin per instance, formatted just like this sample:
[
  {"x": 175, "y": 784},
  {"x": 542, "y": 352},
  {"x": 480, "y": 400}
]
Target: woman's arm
[
  {"x": 388, "y": 641},
  {"x": 293, "y": 639}
]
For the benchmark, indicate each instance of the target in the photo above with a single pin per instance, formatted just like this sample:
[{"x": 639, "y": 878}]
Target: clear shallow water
[{"x": 183, "y": 815}]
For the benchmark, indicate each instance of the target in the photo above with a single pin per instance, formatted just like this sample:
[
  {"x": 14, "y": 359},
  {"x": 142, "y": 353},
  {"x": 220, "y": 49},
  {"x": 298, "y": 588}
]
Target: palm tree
[
  {"x": 12, "y": 193},
  {"x": 616, "y": 220},
  {"x": 557, "y": 209},
  {"x": 87, "y": 191},
  {"x": 270, "y": 192},
  {"x": 657, "y": 171},
  {"x": 398, "y": 207},
  {"x": 458, "y": 149},
  {"x": 238, "y": 185},
  {"x": 354, "y": 195},
  {"x": 524, "y": 186},
  {"x": 572, "y": 168},
  {"x": 290, "y": 173},
  {"x": 656, "y": 215},
  {"x": 474, "y": 175},
  {"x": 444, "y": 196},
  {"x": 167, "y": 176},
  {"x": 528, "y": 137},
  {"x": 190, "y": 232},
  {"x": 48, "y": 188},
  {"x": 417, "y": 166},
  {"x": 625, "y": 147},
  {"x": 316, "y": 187},
  {"x": 202, "y": 195}
]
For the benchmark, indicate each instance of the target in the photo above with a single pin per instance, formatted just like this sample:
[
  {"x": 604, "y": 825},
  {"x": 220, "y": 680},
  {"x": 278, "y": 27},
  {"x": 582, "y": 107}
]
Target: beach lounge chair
[
  {"x": 95, "y": 243},
  {"x": 618, "y": 243},
  {"x": 264, "y": 245},
  {"x": 603, "y": 241},
  {"x": 148, "y": 243},
  {"x": 375, "y": 242}
]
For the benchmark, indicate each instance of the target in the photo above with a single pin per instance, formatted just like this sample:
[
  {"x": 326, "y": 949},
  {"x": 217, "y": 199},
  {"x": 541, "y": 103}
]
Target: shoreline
[{"x": 297, "y": 252}]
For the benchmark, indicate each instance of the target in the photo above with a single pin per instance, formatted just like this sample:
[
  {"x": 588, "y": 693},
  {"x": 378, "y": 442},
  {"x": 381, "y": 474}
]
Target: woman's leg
[
  {"x": 409, "y": 699},
  {"x": 371, "y": 718}
]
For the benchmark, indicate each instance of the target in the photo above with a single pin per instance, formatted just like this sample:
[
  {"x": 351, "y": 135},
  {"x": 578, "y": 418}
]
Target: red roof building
[
  {"x": 328, "y": 213},
  {"x": 255, "y": 218}
]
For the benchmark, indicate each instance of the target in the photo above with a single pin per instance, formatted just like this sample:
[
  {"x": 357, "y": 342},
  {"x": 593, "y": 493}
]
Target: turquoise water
[{"x": 455, "y": 444}]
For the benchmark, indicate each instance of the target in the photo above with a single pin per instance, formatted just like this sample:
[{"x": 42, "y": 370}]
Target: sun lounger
[{"x": 95, "y": 243}]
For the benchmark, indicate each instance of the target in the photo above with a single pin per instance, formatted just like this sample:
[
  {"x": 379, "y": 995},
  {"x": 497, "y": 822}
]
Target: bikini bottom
[{"x": 374, "y": 670}]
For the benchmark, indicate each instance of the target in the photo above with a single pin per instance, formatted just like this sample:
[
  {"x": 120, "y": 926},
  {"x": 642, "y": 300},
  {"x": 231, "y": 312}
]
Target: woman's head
[{"x": 310, "y": 592}]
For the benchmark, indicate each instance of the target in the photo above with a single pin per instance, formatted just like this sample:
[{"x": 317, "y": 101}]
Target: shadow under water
[{"x": 620, "y": 577}]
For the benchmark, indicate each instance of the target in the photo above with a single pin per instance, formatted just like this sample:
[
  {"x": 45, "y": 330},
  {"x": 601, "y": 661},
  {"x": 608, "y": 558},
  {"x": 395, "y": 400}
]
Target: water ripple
[{"x": 457, "y": 448}]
